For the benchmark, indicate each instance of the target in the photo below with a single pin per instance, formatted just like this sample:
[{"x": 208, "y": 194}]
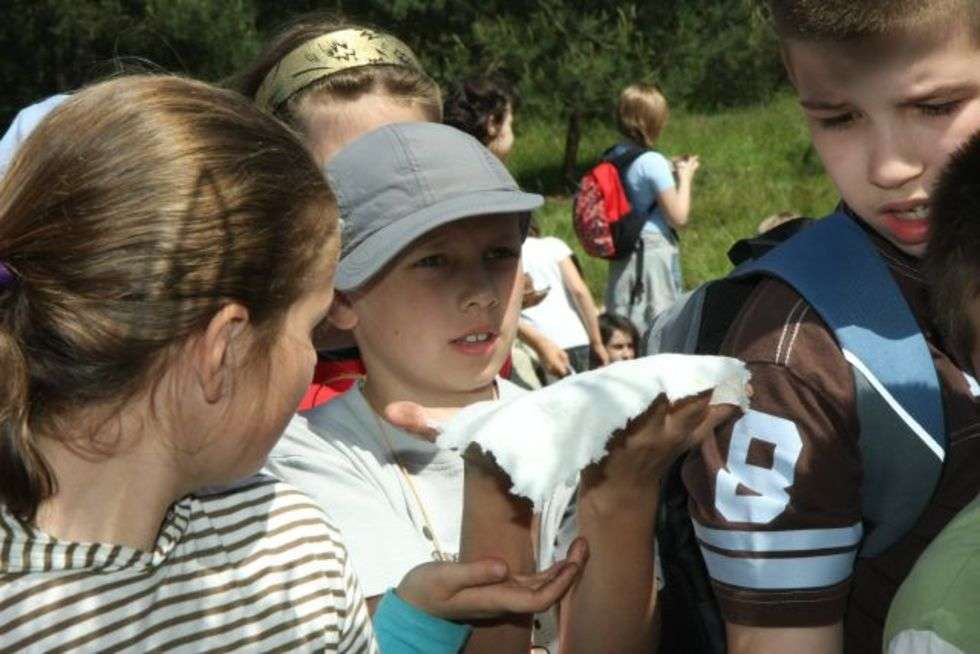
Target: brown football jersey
[{"x": 775, "y": 496}]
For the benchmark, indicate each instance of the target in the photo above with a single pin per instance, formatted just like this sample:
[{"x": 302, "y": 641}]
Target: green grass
[{"x": 755, "y": 161}]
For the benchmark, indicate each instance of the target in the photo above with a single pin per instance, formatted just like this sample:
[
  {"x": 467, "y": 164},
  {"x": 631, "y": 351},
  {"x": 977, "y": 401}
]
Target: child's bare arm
[
  {"x": 584, "y": 306},
  {"x": 768, "y": 640},
  {"x": 616, "y": 513},
  {"x": 496, "y": 525},
  {"x": 675, "y": 203},
  {"x": 553, "y": 358}
]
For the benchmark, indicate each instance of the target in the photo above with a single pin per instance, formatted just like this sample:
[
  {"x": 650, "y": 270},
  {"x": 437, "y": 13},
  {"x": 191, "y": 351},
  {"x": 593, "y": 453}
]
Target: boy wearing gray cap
[{"x": 429, "y": 284}]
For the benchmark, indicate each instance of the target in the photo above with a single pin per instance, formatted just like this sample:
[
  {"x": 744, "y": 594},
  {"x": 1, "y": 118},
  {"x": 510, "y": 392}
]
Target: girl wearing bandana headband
[{"x": 333, "y": 80}]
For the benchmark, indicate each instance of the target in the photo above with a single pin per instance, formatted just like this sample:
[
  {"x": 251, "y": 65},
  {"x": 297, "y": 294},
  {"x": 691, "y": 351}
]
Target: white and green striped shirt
[{"x": 254, "y": 568}]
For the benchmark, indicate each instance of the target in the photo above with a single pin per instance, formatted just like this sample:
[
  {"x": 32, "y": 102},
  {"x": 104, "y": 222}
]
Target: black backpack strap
[
  {"x": 622, "y": 162},
  {"x": 688, "y": 604},
  {"x": 631, "y": 152},
  {"x": 638, "y": 283},
  {"x": 626, "y": 231},
  {"x": 723, "y": 300}
]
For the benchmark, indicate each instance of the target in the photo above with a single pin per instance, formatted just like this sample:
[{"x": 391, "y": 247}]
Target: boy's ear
[
  {"x": 493, "y": 128},
  {"x": 341, "y": 313},
  {"x": 218, "y": 348}
]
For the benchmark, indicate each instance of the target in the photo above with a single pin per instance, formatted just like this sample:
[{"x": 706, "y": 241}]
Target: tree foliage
[
  {"x": 720, "y": 54},
  {"x": 58, "y": 45},
  {"x": 569, "y": 58}
]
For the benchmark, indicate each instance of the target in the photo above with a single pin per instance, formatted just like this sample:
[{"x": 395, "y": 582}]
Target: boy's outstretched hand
[
  {"x": 617, "y": 509},
  {"x": 640, "y": 455},
  {"x": 486, "y": 589}
]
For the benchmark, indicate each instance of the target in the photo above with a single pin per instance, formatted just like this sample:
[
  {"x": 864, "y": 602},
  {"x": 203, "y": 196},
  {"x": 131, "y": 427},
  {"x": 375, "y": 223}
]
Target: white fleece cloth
[{"x": 543, "y": 439}]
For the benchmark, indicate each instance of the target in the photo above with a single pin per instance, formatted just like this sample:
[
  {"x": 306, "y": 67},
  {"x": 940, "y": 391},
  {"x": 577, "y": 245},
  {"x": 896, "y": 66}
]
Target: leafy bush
[
  {"x": 721, "y": 54},
  {"x": 570, "y": 59},
  {"x": 59, "y": 45}
]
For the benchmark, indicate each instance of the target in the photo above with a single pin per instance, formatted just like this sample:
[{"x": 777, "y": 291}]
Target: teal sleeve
[{"x": 403, "y": 629}]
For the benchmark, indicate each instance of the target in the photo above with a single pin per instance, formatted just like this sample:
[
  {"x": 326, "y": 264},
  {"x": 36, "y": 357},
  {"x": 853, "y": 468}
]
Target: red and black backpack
[{"x": 606, "y": 224}]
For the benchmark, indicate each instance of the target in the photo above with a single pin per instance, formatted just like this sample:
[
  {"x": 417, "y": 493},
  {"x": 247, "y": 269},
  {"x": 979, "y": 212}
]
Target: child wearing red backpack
[{"x": 648, "y": 280}]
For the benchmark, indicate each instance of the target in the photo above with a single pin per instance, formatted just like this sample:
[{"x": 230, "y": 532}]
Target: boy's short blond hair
[
  {"x": 845, "y": 20},
  {"x": 642, "y": 113}
]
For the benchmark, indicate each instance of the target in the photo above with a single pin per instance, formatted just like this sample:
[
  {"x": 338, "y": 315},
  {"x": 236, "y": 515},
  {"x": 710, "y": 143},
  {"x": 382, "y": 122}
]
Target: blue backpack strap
[{"x": 835, "y": 267}]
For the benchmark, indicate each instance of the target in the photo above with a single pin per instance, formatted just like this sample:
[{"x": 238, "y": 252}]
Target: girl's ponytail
[{"x": 24, "y": 477}]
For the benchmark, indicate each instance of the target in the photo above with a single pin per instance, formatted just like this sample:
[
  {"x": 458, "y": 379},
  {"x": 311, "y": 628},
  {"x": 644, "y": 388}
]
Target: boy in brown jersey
[{"x": 889, "y": 89}]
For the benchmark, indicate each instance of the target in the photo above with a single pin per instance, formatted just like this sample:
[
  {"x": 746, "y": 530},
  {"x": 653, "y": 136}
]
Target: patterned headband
[
  {"x": 328, "y": 54},
  {"x": 6, "y": 276}
]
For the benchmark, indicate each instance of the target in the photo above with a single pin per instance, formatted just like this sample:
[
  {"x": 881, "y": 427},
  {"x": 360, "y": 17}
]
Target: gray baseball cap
[{"x": 403, "y": 180}]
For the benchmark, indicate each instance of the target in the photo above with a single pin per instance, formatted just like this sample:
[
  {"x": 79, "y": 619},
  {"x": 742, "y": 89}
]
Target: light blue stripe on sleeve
[
  {"x": 780, "y": 541},
  {"x": 795, "y": 573}
]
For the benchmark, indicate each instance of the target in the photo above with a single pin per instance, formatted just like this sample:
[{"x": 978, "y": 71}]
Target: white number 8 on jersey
[{"x": 769, "y": 485}]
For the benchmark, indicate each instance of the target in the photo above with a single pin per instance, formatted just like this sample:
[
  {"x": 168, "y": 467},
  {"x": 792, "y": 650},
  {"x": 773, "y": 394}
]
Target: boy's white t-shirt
[
  {"x": 555, "y": 316},
  {"x": 336, "y": 455}
]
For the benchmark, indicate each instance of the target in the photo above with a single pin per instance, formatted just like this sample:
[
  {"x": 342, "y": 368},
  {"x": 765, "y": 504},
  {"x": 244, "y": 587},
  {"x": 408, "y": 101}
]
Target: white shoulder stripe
[
  {"x": 786, "y": 327},
  {"x": 794, "y": 573},
  {"x": 780, "y": 541},
  {"x": 796, "y": 333},
  {"x": 972, "y": 383},
  {"x": 913, "y": 424}
]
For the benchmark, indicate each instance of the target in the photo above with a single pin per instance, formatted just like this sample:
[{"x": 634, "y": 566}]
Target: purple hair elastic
[{"x": 6, "y": 276}]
